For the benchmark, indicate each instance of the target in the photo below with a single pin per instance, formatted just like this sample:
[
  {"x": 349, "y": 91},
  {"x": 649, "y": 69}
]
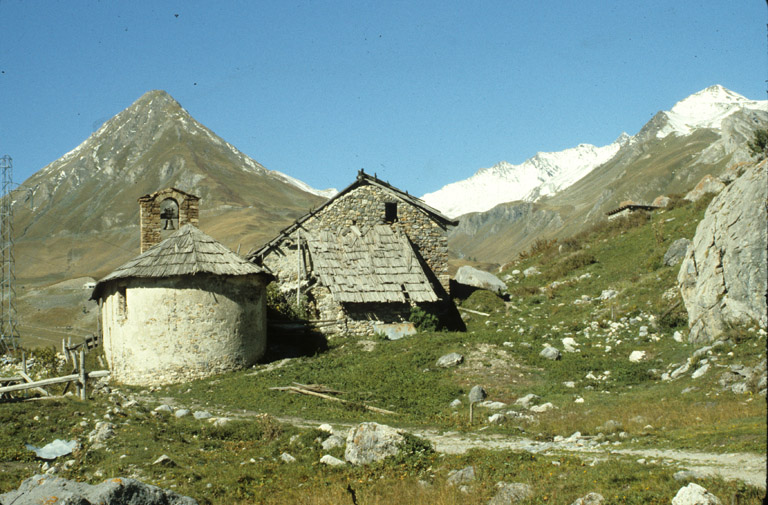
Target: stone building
[
  {"x": 364, "y": 258},
  {"x": 183, "y": 309}
]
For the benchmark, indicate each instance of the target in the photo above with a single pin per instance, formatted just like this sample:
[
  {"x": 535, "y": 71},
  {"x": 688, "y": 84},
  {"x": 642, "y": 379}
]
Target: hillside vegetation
[{"x": 607, "y": 289}]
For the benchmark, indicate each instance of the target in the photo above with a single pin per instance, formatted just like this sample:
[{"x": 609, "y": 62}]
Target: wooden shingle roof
[
  {"x": 378, "y": 265},
  {"x": 189, "y": 251}
]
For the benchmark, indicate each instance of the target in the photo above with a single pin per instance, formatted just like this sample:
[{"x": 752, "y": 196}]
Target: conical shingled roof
[{"x": 189, "y": 251}]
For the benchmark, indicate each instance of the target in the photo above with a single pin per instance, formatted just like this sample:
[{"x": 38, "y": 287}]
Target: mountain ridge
[{"x": 545, "y": 174}]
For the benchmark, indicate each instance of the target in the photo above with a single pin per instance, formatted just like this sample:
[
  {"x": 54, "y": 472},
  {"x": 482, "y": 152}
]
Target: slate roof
[
  {"x": 375, "y": 265},
  {"x": 189, "y": 251}
]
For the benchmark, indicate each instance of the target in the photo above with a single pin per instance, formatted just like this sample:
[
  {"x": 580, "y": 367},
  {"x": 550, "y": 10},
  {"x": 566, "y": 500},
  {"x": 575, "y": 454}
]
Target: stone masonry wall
[
  {"x": 151, "y": 225},
  {"x": 176, "y": 329},
  {"x": 364, "y": 207}
]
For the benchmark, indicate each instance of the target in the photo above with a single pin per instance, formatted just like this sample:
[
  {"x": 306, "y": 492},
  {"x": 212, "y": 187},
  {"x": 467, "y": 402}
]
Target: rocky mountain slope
[
  {"x": 79, "y": 215},
  {"x": 703, "y": 134}
]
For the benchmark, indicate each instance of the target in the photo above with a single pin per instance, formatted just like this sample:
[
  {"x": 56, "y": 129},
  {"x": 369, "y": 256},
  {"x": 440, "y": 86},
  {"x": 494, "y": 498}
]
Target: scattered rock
[
  {"x": 688, "y": 475},
  {"x": 450, "y": 360},
  {"x": 164, "y": 460},
  {"x": 526, "y": 400},
  {"x": 102, "y": 432},
  {"x": 643, "y": 331},
  {"x": 590, "y": 499},
  {"x": 331, "y": 461},
  {"x": 369, "y": 442},
  {"x": 287, "y": 458},
  {"x": 531, "y": 271},
  {"x": 637, "y": 356},
  {"x": 608, "y": 294},
  {"x": 202, "y": 414},
  {"x": 497, "y": 419},
  {"x": 677, "y": 337},
  {"x": 700, "y": 371},
  {"x": 569, "y": 344},
  {"x": 332, "y": 441},
  {"x": 470, "y": 276},
  {"x": 326, "y": 428},
  {"x": 163, "y": 408},
  {"x": 550, "y": 353},
  {"x": 509, "y": 493},
  {"x": 694, "y": 494},
  {"x": 676, "y": 251},
  {"x": 477, "y": 394},
  {"x": 661, "y": 201},
  {"x": 117, "y": 491},
  {"x": 462, "y": 476},
  {"x": 541, "y": 408},
  {"x": 181, "y": 412},
  {"x": 455, "y": 404},
  {"x": 492, "y": 405}
]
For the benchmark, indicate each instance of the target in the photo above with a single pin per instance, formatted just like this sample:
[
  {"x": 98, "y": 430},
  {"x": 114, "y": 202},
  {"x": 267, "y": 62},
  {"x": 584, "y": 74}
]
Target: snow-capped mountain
[{"x": 548, "y": 173}]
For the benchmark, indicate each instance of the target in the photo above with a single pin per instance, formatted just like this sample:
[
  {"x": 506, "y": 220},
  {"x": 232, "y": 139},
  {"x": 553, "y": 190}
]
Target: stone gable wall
[{"x": 363, "y": 207}]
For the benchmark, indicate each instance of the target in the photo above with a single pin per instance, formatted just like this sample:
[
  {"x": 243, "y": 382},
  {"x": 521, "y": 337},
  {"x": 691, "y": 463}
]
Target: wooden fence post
[{"x": 82, "y": 374}]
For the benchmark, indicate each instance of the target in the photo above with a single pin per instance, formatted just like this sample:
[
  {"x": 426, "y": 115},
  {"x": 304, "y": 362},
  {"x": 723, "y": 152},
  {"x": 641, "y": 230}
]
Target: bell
[{"x": 168, "y": 225}]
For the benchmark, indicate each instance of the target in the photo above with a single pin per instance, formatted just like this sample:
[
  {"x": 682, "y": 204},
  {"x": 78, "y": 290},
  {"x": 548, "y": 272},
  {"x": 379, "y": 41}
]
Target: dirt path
[{"x": 747, "y": 467}]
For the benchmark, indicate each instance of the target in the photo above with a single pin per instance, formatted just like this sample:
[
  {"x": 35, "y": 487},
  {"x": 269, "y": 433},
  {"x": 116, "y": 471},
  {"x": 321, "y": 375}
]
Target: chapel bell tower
[{"x": 164, "y": 212}]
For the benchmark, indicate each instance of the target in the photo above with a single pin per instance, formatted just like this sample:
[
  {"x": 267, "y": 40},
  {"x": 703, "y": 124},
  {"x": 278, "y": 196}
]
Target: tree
[{"x": 758, "y": 146}]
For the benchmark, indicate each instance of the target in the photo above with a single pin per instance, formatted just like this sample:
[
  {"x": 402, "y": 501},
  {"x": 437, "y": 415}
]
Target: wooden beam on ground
[
  {"x": 331, "y": 398},
  {"x": 473, "y": 311},
  {"x": 53, "y": 380}
]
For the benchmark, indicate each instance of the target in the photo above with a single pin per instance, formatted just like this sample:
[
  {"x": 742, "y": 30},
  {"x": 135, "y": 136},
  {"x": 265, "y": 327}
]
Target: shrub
[
  {"x": 422, "y": 320},
  {"x": 282, "y": 307}
]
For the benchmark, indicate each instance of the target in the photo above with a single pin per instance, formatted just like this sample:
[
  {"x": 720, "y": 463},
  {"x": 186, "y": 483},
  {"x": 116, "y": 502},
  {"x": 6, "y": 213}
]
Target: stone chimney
[{"x": 164, "y": 212}]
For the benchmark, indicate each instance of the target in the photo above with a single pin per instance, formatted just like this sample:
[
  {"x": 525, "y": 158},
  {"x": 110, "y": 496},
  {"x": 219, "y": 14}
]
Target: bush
[
  {"x": 282, "y": 307},
  {"x": 422, "y": 320}
]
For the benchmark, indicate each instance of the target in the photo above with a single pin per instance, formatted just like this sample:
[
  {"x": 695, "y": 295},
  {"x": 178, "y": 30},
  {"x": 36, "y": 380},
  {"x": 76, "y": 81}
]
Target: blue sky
[{"x": 423, "y": 93}]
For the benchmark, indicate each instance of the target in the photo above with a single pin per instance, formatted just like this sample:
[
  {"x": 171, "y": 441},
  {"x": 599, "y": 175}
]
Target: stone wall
[
  {"x": 162, "y": 331},
  {"x": 150, "y": 223},
  {"x": 364, "y": 207}
]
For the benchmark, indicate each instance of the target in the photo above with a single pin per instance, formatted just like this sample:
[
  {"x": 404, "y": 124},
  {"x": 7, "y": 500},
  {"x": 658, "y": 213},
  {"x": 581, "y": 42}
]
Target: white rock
[
  {"x": 326, "y": 428},
  {"x": 497, "y": 418},
  {"x": 331, "y": 461},
  {"x": 700, "y": 371},
  {"x": 542, "y": 408},
  {"x": 637, "y": 356},
  {"x": 287, "y": 458},
  {"x": 694, "y": 494}
]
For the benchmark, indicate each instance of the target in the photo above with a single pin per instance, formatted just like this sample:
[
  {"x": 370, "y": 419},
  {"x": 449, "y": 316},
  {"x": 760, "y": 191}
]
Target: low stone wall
[{"x": 161, "y": 331}]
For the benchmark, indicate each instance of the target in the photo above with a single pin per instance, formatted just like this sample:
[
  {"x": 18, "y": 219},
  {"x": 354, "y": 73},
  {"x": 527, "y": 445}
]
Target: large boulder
[
  {"x": 480, "y": 279},
  {"x": 723, "y": 276},
  {"x": 369, "y": 442},
  {"x": 676, "y": 251},
  {"x": 118, "y": 491}
]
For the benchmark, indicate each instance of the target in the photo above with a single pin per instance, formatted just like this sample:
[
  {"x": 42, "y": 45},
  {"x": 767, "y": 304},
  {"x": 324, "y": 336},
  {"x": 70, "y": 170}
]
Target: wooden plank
[
  {"x": 53, "y": 380},
  {"x": 331, "y": 398}
]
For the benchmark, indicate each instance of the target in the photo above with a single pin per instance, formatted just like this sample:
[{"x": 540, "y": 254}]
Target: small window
[
  {"x": 390, "y": 212},
  {"x": 122, "y": 302}
]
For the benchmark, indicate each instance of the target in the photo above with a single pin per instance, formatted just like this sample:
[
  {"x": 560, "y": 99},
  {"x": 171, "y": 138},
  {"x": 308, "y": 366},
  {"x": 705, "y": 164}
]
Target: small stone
[
  {"x": 164, "y": 460},
  {"x": 466, "y": 474},
  {"x": 163, "y": 408},
  {"x": 526, "y": 400},
  {"x": 637, "y": 356},
  {"x": 181, "y": 413},
  {"x": 332, "y": 441},
  {"x": 477, "y": 394},
  {"x": 450, "y": 360},
  {"x": 678, "y": 337},
  {"x": 700, "y": 371},
  {"x": 287, "y": 458},
  {"x": 201, "y": 414},
  {"x": 326, "y": 428},
  {"x": 331, "y": 461},
  {"x": 509, "y": 493},
  {"x": 497, "y": 419},
  {"x": 542, "y": 408},
  {"x": 590, "y": 499},
  {"x": 455, "y": 404},
  {"x": 550, "y": 353}
]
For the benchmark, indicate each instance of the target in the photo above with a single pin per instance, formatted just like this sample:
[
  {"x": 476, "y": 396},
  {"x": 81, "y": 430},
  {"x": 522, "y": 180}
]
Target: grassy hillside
[{"x": 596, "y": 391}]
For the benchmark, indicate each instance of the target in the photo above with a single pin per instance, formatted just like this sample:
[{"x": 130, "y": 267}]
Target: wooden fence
[{"x": 23, "y": 382}]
